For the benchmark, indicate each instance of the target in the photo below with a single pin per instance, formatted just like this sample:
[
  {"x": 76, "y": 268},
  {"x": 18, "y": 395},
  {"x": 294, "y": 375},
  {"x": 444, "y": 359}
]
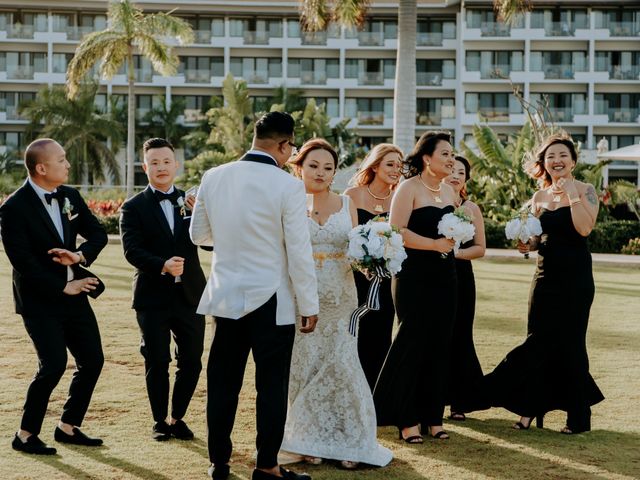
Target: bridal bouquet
[
  {"x": 376, "y": 245},
  {"x": 377, "y": 250},
  {"x": 522, "y": 227},
  {"x": 456, "y": 226}
]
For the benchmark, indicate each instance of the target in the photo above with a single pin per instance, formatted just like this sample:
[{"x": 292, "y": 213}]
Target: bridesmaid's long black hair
[{"x": 413, "y": 164}]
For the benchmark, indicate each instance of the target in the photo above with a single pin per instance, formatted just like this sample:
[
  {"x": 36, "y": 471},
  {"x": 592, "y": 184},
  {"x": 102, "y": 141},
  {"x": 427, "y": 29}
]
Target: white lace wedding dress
[{"x": 331, "y": 413}]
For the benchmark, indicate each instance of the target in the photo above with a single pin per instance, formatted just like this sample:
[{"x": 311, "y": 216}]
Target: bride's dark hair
[{"x": 308, "y": 147}]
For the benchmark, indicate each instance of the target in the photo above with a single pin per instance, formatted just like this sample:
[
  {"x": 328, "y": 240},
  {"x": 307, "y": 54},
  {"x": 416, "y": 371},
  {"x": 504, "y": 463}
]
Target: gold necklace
[
  {"x": 434, "y": 191},
  {"x": 557, "y": 194},
  {"x": 378, "y": 207}
]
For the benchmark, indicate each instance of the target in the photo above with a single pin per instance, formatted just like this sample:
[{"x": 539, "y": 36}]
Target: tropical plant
[
  {"x": 129, "y": 31},
  {"x": 162, "y": 121},
  {"x": 316, "y": 14},
  {"x": 625, "y": 192},
  {"x": 80, "y": 128},
  {"x": 509, "y": 11},
  {"x": 231, "y": 129}
]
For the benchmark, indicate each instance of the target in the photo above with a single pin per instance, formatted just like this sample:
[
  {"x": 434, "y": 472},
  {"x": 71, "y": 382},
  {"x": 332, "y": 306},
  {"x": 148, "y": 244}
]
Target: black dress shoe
[
  {"x": 181, "y": 431},
  {"x": 78, "y": 438},
  {"x": 161, "y": 431},
  {"x": 286, "y": 475},
  {"x": 33, "y": 445},
  {"x": 218, "y": 472}
]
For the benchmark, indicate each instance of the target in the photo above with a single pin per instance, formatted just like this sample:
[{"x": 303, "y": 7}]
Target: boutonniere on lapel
[
  {"x": 67, "y": 208},
  {"x": 180, "y": 202}
]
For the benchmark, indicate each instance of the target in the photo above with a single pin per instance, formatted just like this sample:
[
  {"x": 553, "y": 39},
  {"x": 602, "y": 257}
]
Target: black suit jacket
[
  {"x": 28, "y": 233},
  {"x": 148, "y": 243}
]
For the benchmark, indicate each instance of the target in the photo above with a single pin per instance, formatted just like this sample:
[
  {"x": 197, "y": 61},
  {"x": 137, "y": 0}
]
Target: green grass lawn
[{"x": 482, "y": 447}]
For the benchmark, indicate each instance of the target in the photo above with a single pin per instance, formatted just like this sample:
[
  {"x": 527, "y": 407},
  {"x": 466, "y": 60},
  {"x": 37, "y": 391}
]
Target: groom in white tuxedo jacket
[{"x": 253, "y": 214}]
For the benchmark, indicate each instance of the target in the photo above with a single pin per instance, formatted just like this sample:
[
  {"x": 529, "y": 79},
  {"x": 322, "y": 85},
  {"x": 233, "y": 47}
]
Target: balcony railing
[
  {"x": 202, "y": 36},
  {"x": 561, "y": 114},
  {"x": 313, "y": 78},
  {"x": 624, "y": 29},
  {"x": 12, "y": 113},
  {"x": 619, "y": 72},
  {"x": 429, "y": 78},
  {"x": 559, "y": 29},
  {"x": 197, "y": 76},
  {"x": 257, "y": 77},
  {"x": 429, "y": 39},
  {"x": 256, "y": 38},
  {"x": 20, "y": 72},
  {"x": 495, "y": 29},
  {"x": 143, "y": 75},
  {"x": 76, "y": 33},
  {"x": 371, "y": 78},
  {"x": 558, "y": 71},
  {"x": 313, "y": 38},
  {"x": 623, "y": 115},
  {"x": 495, "y": 71},
  {"x": 371, "y": 39},
  {"x": 428, "y": 118},
  {"x": 18, "y": 30},
  {"x": 494, "y": 114},
  {"x": 370, "y": 118}
]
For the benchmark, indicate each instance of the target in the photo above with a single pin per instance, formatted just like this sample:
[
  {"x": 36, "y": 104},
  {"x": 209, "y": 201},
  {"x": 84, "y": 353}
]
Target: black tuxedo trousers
[
  {"x": 271, "y": 345},
  {"x": 157, "y": 326}
]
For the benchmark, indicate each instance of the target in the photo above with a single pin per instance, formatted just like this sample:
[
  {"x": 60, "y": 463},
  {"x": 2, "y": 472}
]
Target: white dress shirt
[
  {"x": 167, "y": 209},
  {"x": 54, "y": 212}
]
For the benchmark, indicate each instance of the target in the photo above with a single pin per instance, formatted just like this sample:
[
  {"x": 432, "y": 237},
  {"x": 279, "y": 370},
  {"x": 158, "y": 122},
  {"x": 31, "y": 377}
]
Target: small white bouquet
[
  {"x": 457, "y": 226},
  {"x": 376, "y": 245},
  {"x": 377, "y": 250},
  {"x": 522, "y": 227}
]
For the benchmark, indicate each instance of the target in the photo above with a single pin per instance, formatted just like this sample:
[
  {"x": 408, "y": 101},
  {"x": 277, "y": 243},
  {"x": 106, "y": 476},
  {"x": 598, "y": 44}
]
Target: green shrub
[
  {"x": 110, "y": 223},
  {"x": 633, "y": 247},
  {"x": 610, "y": 237},
  {"x": 494, "y": 232}
]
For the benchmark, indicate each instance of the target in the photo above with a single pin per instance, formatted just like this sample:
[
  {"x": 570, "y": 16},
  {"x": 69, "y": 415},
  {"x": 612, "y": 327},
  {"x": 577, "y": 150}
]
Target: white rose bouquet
[
  {"x": 457, "y": 226},
  {"x": 522, "y": 227},
  {"x": 377, "y": 250}
]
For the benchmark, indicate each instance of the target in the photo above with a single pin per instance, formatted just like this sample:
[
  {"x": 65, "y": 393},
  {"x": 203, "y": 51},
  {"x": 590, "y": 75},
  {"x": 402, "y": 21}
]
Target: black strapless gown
[
  {"x": 376, "y": 327},
  {"x": 412, "y": 386},
  {"x": 465, "y": 371},
  {"x": 550, "y": 370}
]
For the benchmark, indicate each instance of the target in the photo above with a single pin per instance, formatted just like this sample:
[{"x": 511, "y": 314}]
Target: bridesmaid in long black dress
[
  {"x": 372, "y": 190},
  {"x": 550, "y": 370},
  {"x": 465, "y": 370},
  {"x": 411, "y": 389}
]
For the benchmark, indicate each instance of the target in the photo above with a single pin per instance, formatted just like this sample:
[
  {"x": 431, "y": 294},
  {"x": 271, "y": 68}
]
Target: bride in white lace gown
[{"x": 331, "y": 413}]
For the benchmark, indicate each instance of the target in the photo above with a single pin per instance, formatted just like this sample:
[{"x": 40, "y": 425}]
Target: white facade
[{"x": 585, "y": 60}]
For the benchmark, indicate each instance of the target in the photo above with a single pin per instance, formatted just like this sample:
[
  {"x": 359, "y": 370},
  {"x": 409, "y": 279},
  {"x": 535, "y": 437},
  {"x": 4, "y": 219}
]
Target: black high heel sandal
[
  {"x": 521, "y": 426},
  {"x": 412, "y": 440}
]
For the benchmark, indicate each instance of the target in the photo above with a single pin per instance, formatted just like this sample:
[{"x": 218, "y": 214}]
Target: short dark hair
[
  {"x": 426, "y": 145},
  {"x": 274, "y": 126},
  {"x": 32, "y": 154},
  {"x": 156, "y": 143}
]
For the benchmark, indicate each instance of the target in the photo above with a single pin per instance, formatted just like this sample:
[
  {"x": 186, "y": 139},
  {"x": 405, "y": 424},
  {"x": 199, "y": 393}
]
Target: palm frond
[
  {"x": 160, "y": 55},
  {"x": 314, "y": 15},
  {"x": 350, "y": 13},
  {"x": 509, "y": 11},
  {"x": 165, "y": 25}
]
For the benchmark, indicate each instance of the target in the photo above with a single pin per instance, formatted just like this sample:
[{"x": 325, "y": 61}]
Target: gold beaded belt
[{"x": 320, "y": 257}]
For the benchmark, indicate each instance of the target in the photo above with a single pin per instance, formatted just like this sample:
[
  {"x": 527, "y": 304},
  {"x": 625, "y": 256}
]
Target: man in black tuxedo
[
  {"x": 167, "y": 286},
  {"x": 39, "y": 224}
]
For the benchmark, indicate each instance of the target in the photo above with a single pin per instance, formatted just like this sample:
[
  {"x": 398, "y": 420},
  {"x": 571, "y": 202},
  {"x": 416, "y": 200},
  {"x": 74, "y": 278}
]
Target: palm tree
[
  {"x": 315, "y": 15},
  {"x": 81, "y": 129},
  {"x": 129, "y": 31},
  {"x": 162, "y": 120},
  {"x": 508, "y": 11}
]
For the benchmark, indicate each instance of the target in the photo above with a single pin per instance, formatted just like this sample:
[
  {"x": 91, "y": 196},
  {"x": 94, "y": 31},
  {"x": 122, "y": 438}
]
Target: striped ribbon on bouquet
[{"x": 373, "y": 299}]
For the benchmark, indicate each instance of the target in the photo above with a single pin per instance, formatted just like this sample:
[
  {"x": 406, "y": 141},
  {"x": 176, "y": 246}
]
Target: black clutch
[{"x": 80, "y": 273}]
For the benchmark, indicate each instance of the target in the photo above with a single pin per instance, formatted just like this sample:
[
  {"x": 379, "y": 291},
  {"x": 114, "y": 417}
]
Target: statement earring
[{"x": 428, "y": 170}]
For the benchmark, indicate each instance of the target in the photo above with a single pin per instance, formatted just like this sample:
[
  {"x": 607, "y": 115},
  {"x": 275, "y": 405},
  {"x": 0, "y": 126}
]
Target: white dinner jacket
[{"x": 254, "y": 215}]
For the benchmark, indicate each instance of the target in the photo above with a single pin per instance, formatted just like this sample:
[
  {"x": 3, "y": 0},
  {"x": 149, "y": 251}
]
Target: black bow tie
[
  {"x": 172, "y": 197},
  {"x": 58, "y": 195}
]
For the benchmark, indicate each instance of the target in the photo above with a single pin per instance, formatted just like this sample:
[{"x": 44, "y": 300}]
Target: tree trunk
[
  {"x": 404, "y": 105},
  {"x": 131, "y": 124}
]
